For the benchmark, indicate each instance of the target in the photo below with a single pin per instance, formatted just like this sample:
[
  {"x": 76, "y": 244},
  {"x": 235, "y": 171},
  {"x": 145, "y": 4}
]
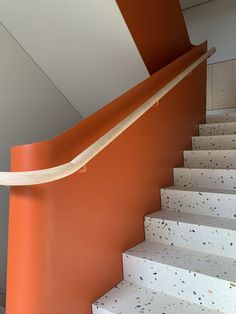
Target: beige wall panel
[
  {"x": 209, "y": 86},
  {"x": 224, "y": 92},
  {"x": 234, "y": 80}
]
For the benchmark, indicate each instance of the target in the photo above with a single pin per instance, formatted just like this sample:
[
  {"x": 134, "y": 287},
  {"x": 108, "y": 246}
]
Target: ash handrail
[{"x": 34, "y": 177}]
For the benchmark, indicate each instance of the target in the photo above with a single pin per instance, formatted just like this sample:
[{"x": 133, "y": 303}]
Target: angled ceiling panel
[{"x": 185, "y": 4}]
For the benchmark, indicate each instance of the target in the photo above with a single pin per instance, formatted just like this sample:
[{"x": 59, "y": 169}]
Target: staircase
[{"x": 188, "y": 262}]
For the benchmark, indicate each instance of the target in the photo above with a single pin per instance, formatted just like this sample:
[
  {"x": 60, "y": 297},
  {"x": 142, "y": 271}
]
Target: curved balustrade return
[{"x": 23, "y": 178}]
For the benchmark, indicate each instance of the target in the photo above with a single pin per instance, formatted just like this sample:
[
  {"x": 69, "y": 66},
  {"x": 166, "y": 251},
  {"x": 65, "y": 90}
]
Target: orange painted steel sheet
[{"x": 66, "y": 237}]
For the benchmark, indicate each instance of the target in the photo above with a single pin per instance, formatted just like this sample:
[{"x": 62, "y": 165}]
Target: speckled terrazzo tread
[
  {"x": 218, "y": 142},
  {"x": 202, "y": 201},
  {"x": 207, "y": 234},
  {"x": 223, "y": 179},
  {"x": 128, "y": 298},
  {"x": 221, "y": 117},
  {"x": 218, "y": 159},
  {"x": 193, "y": 276},
  {"x": 223, "y": 128}
]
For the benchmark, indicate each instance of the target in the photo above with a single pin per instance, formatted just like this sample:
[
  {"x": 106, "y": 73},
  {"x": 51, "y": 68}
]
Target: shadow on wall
[{"x": 31, "y": 109}]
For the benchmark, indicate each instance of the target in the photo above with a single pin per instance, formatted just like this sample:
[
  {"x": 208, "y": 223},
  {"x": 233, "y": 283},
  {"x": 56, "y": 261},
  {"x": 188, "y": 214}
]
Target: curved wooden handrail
[{"x": 23, "y": 178}]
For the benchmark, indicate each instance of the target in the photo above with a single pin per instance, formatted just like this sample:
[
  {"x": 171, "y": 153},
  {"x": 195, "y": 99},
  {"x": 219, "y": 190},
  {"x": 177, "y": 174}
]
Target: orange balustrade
[
  {"x": 66, "y": 237},
  {"x": 158, "y": 29}
]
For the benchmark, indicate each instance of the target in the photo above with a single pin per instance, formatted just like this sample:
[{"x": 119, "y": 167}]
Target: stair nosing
[
  {"x": 213, "y": 136},
  {"x": 198, "y": 190},
  {"x": 213, "y": 218},
  {"x": 212, "y": 124}
]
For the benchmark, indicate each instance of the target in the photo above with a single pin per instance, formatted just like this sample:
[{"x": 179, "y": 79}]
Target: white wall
[
  {"x": 84, "y": 46},
  {"x": 86, "y": 50},
  {"x": 214, "y": 21},
  {"x": 31, "y": 109}
]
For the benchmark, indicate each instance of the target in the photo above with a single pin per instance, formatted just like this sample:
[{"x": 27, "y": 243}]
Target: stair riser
[
  {"x": 210, "y": 159},
  {"x": 191, "y": 236},
  {"x": 214, "y": 142},
  {"x": 205, "y": 178},
  {"x": 217, "y": 129},
  {"x": 203, "y": 203},
  {"x": 181, "y": 283},
  {"x": 218, "y": 118}
]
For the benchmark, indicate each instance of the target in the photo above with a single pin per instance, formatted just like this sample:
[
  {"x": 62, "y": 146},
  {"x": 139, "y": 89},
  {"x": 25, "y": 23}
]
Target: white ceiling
[{"x": 185, "y": 4}]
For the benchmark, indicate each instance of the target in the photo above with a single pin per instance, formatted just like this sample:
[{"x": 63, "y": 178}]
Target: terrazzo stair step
[
  {"x": 221, "y": 117},
  {"x": 207, "y": 234},
  {"x": 210, "y": 159},
  {"x": 200, "y": 278},
  {"x": 128, "y": 298},
  {"x": 226, "y": 128},
  {"x": 223, "y": 179},
  {"x": 208, "y": 202},
  {"x": 217, "y": 142}
]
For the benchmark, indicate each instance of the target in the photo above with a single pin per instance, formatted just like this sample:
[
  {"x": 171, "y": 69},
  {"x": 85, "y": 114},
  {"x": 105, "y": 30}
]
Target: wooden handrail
[{"x": 23, "y": 178}]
